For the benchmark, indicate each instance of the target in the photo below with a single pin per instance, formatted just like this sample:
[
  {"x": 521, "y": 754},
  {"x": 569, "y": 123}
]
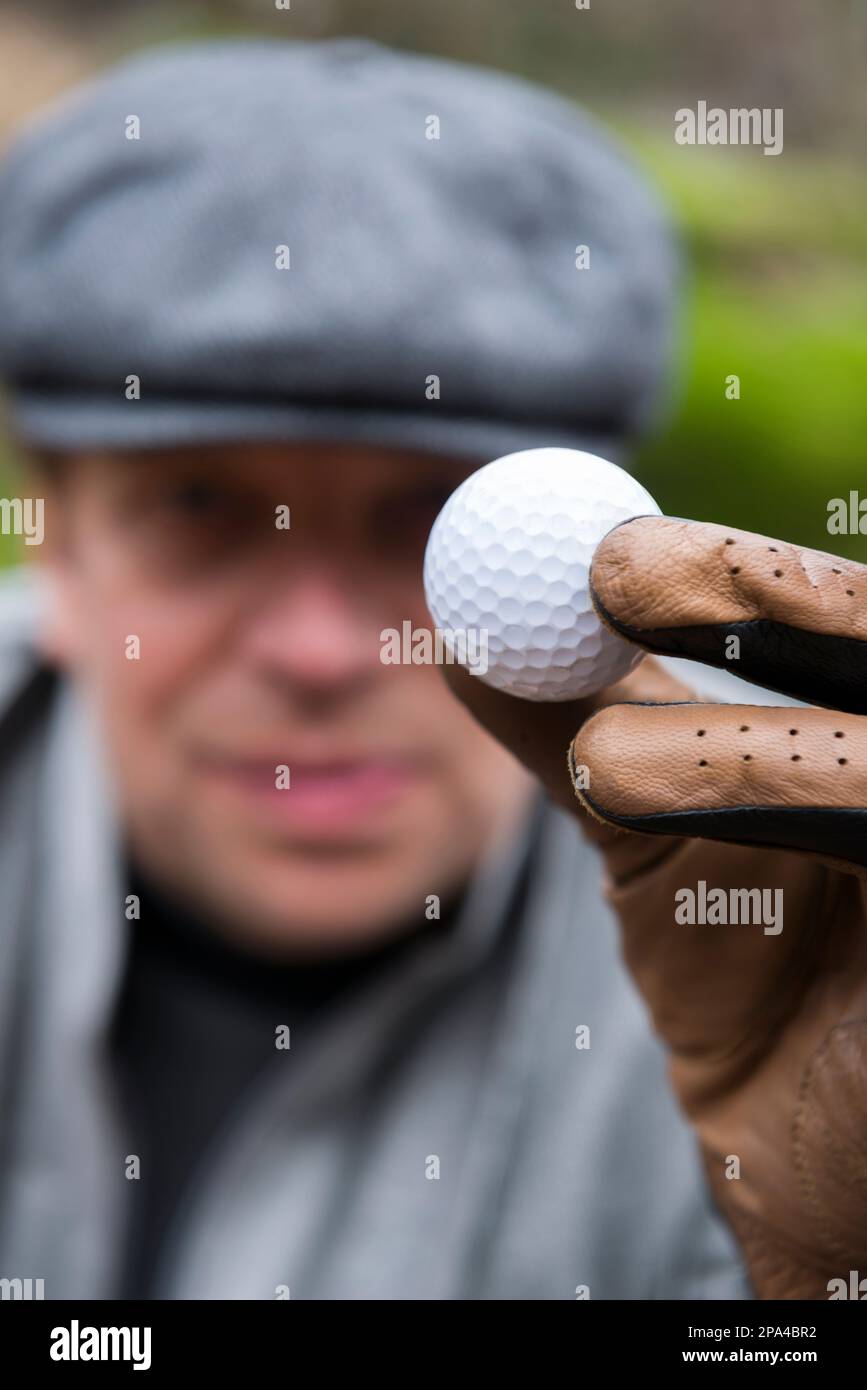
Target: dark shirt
[{"x": 195, "y": 1025}]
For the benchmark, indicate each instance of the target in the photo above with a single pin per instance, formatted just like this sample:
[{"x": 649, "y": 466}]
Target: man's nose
[{"x": 313, "y": 631}]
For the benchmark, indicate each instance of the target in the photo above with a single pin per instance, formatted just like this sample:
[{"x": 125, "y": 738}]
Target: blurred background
[{"x": 776, "y": 248}]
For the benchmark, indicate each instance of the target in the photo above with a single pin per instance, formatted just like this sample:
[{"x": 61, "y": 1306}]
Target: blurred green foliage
[{"x": 777, "y": 295}]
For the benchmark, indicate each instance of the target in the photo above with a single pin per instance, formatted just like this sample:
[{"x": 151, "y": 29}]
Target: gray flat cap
[{"x": 407, "y": 258}]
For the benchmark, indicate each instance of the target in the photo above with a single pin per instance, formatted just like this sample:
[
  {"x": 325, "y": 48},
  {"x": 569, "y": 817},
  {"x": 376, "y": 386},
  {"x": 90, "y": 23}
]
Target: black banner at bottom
[{"x": 161, "y": 1339}]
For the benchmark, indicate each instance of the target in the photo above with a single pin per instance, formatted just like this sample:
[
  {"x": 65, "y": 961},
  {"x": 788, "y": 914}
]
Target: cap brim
[{"x": 71, "y": 422}]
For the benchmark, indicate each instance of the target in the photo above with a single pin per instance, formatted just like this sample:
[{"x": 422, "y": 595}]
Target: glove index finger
[{"x": 687, "y": 588}]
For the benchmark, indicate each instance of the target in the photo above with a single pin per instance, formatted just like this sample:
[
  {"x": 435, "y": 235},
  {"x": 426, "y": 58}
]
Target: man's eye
[
  {"x": 411, "y": 510},
  {"x": 196, "y": 500}
]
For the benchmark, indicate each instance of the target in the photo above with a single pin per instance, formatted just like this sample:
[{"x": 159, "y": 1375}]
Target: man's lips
[{"x": 321, "y": 795}]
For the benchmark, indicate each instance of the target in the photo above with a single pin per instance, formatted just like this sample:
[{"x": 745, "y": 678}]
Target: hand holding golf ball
[
  {"x": 509, "y": 558},
  {"x": 766, "y": 1027}
]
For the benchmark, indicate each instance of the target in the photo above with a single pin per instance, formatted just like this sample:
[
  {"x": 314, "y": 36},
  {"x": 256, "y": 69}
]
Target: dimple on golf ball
[{"x": 508, "y": 562}]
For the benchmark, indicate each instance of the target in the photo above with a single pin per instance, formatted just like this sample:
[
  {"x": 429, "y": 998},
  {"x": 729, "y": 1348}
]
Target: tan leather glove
[{"x": 766, "y": 1028}]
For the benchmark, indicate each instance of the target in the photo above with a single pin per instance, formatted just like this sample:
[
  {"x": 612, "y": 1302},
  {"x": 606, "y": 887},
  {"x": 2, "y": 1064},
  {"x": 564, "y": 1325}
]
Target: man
[{"x": 306, "y": 991}]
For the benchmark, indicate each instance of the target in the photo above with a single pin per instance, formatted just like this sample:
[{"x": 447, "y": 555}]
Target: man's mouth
[{"x": 324, "y": 795}]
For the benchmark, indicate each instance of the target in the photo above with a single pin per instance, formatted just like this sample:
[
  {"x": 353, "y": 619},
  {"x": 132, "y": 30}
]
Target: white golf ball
[{"x": 507, "y": 572}]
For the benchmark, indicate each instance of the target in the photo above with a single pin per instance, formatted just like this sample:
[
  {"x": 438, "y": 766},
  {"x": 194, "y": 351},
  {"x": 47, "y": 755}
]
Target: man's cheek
[
  {"x": 128, "y": 637},
  {"x": 132, "y": 671}
]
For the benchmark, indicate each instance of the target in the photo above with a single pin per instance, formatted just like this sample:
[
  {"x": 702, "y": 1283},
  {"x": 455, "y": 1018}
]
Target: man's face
[{"x": 258, "y": 648}]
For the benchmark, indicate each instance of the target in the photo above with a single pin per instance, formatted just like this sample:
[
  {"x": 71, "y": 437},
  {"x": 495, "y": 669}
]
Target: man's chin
[
  {"x": 304, "y": 932},
  {"x": 323, "y": 898}
]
